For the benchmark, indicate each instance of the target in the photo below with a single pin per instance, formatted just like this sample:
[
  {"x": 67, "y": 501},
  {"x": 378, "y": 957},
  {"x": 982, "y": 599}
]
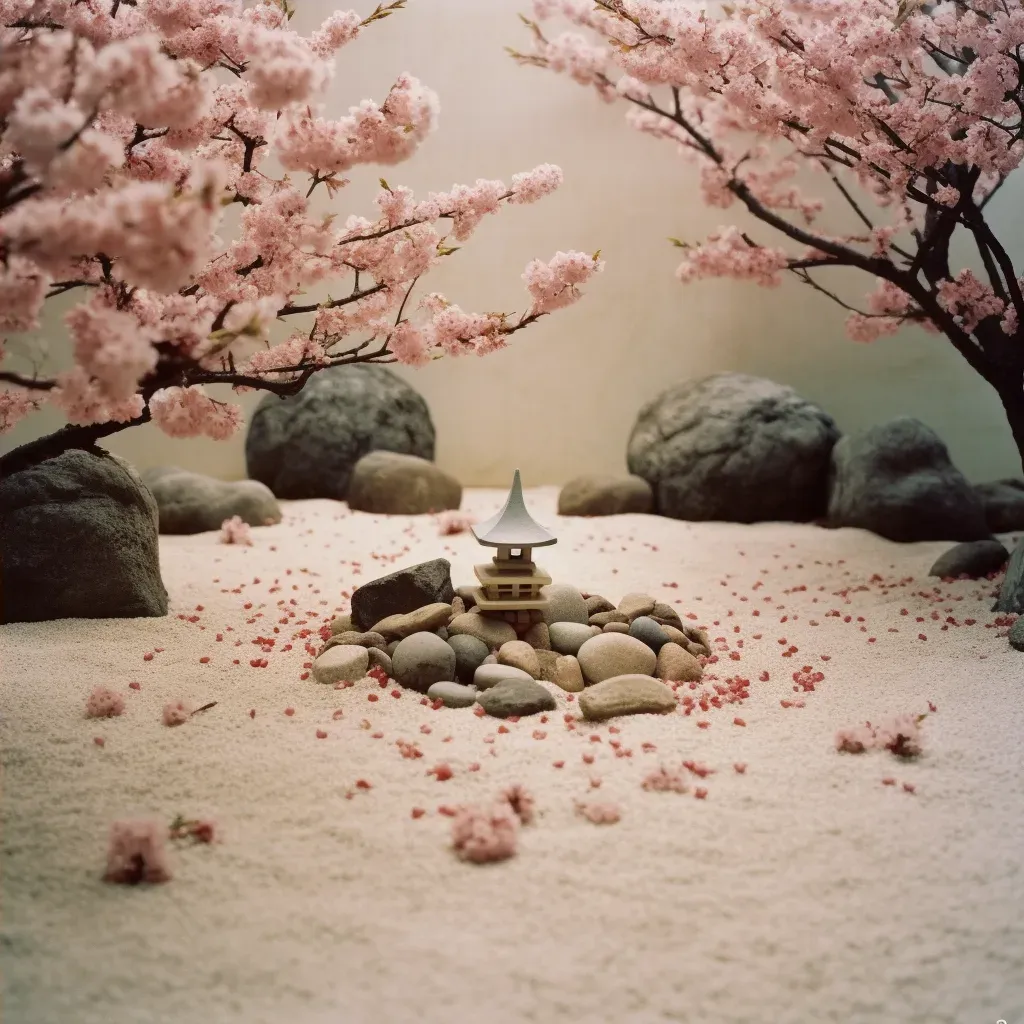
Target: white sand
[{"x": 802, "y": 891}]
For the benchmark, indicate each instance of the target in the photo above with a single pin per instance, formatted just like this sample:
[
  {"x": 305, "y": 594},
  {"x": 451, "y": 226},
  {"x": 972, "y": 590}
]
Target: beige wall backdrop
[{"x": 562, "y": 399}]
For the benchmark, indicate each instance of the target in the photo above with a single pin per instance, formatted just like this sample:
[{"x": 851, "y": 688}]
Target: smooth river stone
[
  {"x": 343, "y": 662},
  {"x": 678, "y": 665},
  {"x": 516, "y": 697},
  {"x": 487, "y": 676},
  {"x": 626, "y": 695},
  {"x": 569, "y": 637},
  {"x": 452, "y": 695},
  {"x": 519, "y": 654},
  {"x": 493, "y": 632},
  {"x": 568, "y": 674},
  {"x": 421, "y": 660},
  {"x": 615, "y": 654},
  {"x": 422, "y": 620}
]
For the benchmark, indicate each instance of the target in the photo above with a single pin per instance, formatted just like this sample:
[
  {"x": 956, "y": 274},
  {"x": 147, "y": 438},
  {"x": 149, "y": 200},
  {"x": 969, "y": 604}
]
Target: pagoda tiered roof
[{"x": 513, "y": 526}]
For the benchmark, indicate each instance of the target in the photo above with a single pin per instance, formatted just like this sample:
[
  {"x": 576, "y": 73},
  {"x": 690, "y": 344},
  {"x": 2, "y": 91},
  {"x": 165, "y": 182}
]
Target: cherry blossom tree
[
  {"x": 911, "y": 114},
  {"x": 159, "y": 159}
]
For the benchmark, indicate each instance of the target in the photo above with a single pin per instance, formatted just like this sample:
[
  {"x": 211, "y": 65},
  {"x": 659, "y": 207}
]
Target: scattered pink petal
[
  {"x": 482, "y": 834},
  {"x": 235, "y": 531},
  {"x": 137, "y": 853},
  {"x": 600, "y": 813},
  {"x": 176, "y": 713},
  {"x": 521, "y": 801},
  {"x": 104, "y": 703}
]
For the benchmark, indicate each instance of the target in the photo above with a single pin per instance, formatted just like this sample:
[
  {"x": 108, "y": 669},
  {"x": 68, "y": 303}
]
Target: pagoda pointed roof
[{"x": 513, "y": 526}]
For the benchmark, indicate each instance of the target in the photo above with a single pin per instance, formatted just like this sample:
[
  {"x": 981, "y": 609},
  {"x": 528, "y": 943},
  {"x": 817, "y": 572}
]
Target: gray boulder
[
  {"x": 193, "y": 503},
  {"x": 602, "y": 495},
  {"x": 402, "y": 591},
  {"x": 305, "y": 446},
  {"x": 401, "y": 485},
  {"x": 78, "y": 540},
  {"x": 896, "y": 479},
  {"x": 1011, "y": 592},
  {"x": 734, "y": 448},
  {"x": 1004, "y": 504},
  {"x": 973, "y": 558}
]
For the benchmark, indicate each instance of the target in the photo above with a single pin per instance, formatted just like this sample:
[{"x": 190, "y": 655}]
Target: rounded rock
[
  {"x": 596, "y": 604},
  {"x": 548, "y": 663},
  {"x": 647, "y": 631},
  {"x": 615, "y": 627},
  {"x": 452, "y": 695},
  {"x": 306, "y": 445},
  {"x": 421, "y": 660},
  {"x": 568, "y": 674},
  {"x": 518, "y": 697},
  {"x": 493, "y": 632},
  {"x": 387, "y": 483},
  {"x": 897, "y": 480},
  {"x": 678, "y": 665},
  {"x": 626, "y": 695},
  {"x": 604, "y": 495},
  {"x": 193, "y": 503},
  {"x": 973, "y": 558},
  {"x": 569, "y": 637},
  {"x": 733, "y": 448},
  {"x": 344, "y": 662},
  {"x": 633, "y": 605},
  {"x": 422, "y": 620},
  {"x": 1017, "y": 635},
  {"x": 379, "y": 659},
  {"x": 519, "y": 654},
  {"x": 487, "y": 676},
  {"x": 615, "y": 654},
  {"x": 565, "y": 604},
  {"x": 538, "y": 636},
  {"x": 603, "y": 618},
  {"x": 666, "y": 615},
  {"x": 469, "y": 655},
  {"x": 354, "y": 639}
]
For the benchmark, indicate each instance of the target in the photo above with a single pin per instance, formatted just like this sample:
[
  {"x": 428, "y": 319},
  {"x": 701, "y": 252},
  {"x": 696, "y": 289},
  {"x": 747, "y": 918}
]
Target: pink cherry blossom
[
  {"x": 235, "y": 531},
  {"x": 900, "y": 120},
  {"x": 481, "y": 834},
  {"x": 137, "y": 853},
  {"x": 130, "y": 131}
]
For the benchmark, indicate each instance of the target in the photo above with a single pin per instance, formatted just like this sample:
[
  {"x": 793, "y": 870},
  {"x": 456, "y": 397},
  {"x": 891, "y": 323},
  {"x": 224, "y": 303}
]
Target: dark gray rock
[
  {"x": 421, "y": 660},
  {"x": 1011, "y": 593},
  {"x": 1004, "y": 504},
  {"x": 469, "y": 655},
  {"x": 193, "y": 503},
  {"x": 305, "y": 446},
  {"x": 78, "y": 540},
  {"x": 734, "y": 448},
  {"x": 401, "y": 485},
  {"x": 1017, "y": 635},
  {"x": 647, "y": 631},
  {"x": 402, "y": 591},
  {"x": 896, "y": 479},
  {"x": 602, "y": 495},
  {"x": 973, "y": 558},
  {"x": 516, "y": 697}
]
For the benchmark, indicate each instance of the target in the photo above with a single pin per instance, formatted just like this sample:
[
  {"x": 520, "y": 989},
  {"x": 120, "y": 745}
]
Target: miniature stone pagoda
[{"x": 510, "y": 584}]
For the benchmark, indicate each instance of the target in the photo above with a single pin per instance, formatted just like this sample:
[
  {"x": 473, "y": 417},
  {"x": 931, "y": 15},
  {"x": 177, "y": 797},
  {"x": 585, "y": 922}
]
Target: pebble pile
[{"x": 619, "y": 658}]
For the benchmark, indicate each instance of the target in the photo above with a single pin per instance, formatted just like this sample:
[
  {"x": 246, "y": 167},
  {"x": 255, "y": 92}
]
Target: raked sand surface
[{"x": 803, "y": 890}]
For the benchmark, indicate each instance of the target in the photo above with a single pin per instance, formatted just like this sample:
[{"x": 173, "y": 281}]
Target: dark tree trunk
[{"x": 52, "y": 445}]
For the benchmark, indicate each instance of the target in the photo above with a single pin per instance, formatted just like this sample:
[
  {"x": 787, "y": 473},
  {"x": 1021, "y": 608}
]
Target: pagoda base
[{"x": 494, "y": 606}]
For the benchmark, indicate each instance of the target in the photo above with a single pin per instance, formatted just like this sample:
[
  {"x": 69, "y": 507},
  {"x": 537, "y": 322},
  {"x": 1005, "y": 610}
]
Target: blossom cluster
[
  {"x": 914, "y": 106},
  {"x": 129, "y": 130}
]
